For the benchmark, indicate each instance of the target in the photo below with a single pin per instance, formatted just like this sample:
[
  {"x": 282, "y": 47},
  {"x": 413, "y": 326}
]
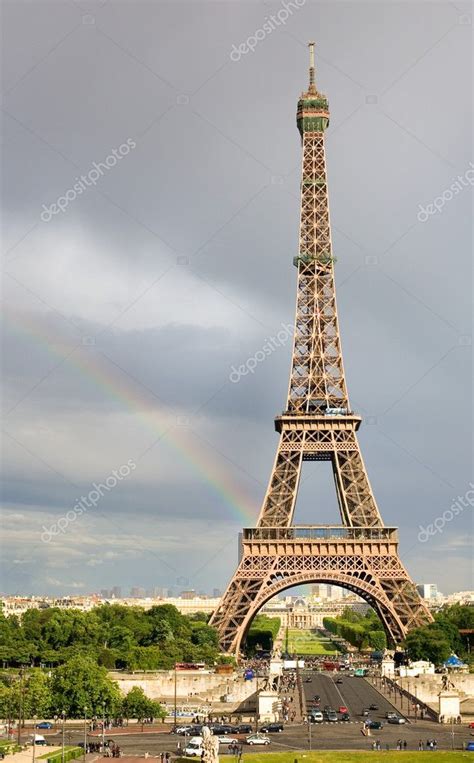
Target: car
[
  {"x": 470, "y": 725},
  {"x": 374, "y": 725},
  {"x": 397, "y": 720},
  {"x": 343, "y": 709},
  {"x": 271, "y": 728},
  {"x": 194, "y": 748},
  {"x": 339, "y": 681},
  {"x": 391, "y": 714},
  {"x": 44, "y": 725},
  {"x": 183, "y": 729},
  {"x": 327, "y": 707},
  {"x": 345, "y": 717},
  {"x": 316, "y": 716},
  {"x": 244, "y": 728},
  {"x": 308, "y": 680},
  {"x": 257, "y": 739},
  {"x": 332, "y": 716},
  {"x": 373, "y": 707},
  {"x": 365, "y": 712},
  {"x": 228, "y": 740},
  {"x": 470, "y": 747},
  {"x": 222, "y": 728},
  {"x": 317, "y": 698},
  {"x": 37, "y": 739}
]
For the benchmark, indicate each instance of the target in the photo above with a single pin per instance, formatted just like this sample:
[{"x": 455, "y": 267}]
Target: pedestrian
[
  {"x": 404, "y": 744},
  {"x": 421, "y": 746}
]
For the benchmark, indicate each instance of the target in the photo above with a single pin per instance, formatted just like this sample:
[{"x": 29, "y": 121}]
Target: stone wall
[{"x": 191, "y": 686}]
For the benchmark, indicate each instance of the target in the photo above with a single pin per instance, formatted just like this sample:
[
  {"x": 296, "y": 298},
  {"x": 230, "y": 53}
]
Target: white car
[
  {"x": 228, "y": 740},
  {"x": 257, "y": 739}
]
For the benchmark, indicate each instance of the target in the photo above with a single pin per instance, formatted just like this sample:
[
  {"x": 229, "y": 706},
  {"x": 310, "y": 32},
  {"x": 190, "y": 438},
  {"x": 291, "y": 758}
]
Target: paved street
[{"x": 354, "y": 693}]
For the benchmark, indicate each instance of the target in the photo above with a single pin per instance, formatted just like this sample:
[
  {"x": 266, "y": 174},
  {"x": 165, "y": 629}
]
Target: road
[{"x": 354, "y": 693}]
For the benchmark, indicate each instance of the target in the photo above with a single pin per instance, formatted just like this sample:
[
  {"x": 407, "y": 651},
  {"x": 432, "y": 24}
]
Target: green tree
[
  {"x": 81, "y": 683},
  {"x": 137, "y": 705},
  {"x": 37, "y": 695},
  {"x": 428, "y": 643}
]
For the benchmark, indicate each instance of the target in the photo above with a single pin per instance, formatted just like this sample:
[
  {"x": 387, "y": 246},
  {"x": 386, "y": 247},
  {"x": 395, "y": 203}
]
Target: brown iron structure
[{"x": 361, "y": 554}]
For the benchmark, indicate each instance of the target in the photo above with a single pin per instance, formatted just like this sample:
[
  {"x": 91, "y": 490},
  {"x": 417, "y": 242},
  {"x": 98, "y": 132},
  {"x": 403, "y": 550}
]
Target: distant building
[
  {"x": 216, "y": 593},
  {"x": 428, "y": 590},
  {"x": 137, "y": 593},
  {"x": 116, "y": 592}
]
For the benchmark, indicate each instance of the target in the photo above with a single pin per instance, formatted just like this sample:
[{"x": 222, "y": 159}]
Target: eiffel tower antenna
[
  {"x": 317, "y": 424},
  {"x": 312, "y": 81}
]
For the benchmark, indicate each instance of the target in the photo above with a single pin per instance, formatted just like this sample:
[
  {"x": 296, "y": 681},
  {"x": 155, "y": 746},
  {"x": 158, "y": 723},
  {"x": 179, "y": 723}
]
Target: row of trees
[
  {"x": 79, "y": 688},
  {"x": 262, "y": 633},
  {"x": 113, "y": 636},
  {"x": 362, "y": 631},
  {"x": 443, "y": 637}
]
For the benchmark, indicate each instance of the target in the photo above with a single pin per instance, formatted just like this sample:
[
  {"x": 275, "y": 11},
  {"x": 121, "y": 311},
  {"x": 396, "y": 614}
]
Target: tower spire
[{"x": 312, "y": 85}]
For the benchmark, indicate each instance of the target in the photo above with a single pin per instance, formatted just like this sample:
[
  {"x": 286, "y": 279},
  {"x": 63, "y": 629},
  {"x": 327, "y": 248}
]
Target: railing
[{"x": 320, "y": 532}]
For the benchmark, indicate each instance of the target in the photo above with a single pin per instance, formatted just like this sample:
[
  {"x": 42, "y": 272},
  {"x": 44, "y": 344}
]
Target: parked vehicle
[
  {"x": 397, "y": 720},
  {"x": 365, "y": 712},
  {"x": 470, "y": 747},
  {"x": 194, "y": 748},
  {"x": 345, "y": 717},
  {"x": 343, "y": 709},
  {"x": 257, "y": 739},
  {"x": 373, "y": 707},
  {"x": 332, "y": 716},
  {"x": 374, "y": 725},
  {"x": 390, "y": 714},
  {"x": 183, "y": 729},
  {"x": 316, "y": 716},
  {"x": 339, "y": 681},
  {"x": 244, "y": 728},
  {"x": 228, "y": 740},
  {"x": 38, "y": 739},
  {"x": 44, "y": 725},
  {"x": 271, "y": 728},
  {"x": 222, "y": 728}
]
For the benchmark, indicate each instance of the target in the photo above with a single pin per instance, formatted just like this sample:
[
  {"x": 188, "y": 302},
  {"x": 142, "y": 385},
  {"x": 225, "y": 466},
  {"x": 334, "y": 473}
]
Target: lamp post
[
  {"x": 309, "y": 733},
  {"x": 34, "y": 738},
  {"x": 63, "y": 716},
  {"x": 85, "y": 733},
  {"x": 103, "y": 727},
  {"x": 20, "y": 710},
  {"x": 175, "y": 696}
]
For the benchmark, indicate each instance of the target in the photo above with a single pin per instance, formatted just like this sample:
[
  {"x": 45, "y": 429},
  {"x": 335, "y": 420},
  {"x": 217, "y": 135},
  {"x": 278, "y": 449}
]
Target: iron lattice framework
[{"x": 318, "y": 425}]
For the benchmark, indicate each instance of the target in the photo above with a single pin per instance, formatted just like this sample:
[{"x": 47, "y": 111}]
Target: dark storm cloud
[{"x": 175, "y": 267}]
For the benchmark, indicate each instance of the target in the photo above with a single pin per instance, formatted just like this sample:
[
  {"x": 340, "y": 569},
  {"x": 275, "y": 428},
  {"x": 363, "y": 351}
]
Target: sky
[{"x": 151, "y": 167}]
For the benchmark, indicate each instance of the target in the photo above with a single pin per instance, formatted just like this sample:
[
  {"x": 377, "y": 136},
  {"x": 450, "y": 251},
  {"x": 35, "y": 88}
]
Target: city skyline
[{"x": 138, "y": 315}]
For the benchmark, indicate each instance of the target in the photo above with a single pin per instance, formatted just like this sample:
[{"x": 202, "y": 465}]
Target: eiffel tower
[{"x": 361, "y": 554}]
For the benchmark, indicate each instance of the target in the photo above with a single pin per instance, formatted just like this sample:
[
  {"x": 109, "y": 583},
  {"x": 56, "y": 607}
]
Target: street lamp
[
  {"x": 85, "y": 733},
  {"x": 63, "y": 716},
  {"x": 103, "y": 727},
  {"x": 175, "y": 697},
  {"x": 34, "y": 738}
]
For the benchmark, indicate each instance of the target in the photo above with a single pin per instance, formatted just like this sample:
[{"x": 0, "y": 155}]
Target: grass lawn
[
  {"x": 341, "y": 756},
  {"x": 309, "y": 642}
]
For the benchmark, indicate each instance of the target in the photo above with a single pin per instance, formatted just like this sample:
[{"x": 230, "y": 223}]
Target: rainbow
[{"x": 141, "y": 403}]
